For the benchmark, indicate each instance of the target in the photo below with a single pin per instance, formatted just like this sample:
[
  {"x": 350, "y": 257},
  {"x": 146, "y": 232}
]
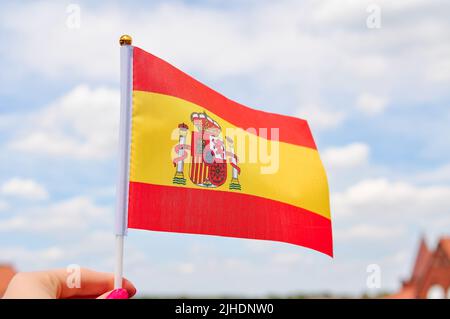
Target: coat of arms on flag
[{"x": 208, "y": 154}]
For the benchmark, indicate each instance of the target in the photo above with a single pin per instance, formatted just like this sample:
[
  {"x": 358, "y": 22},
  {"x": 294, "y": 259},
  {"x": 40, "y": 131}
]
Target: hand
[{"x": 52, "y": 284}]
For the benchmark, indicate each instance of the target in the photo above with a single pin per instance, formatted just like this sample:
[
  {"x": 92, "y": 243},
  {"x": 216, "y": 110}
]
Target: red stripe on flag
[
  {"x": 194, "y": 211},
  {"x": 152, "y": 74}
]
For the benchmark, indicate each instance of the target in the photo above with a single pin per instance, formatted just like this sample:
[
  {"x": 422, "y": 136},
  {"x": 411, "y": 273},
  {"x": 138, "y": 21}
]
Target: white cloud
[
  {"x": 80, "y": 250},
  {"x": 66, "y": 217},
  {"x": 371, "y": 104},
  {"x": 440, "y": 71},
  {"x": 369, "y": 67},
  {"x": 314, "y": 43},
  {"x": 290, "y": 259},
  {"x": 320, "y": 118},
  {"x": 333, "y": 12},
  {"x": 186, "y": 268},
  {"x": 82, "y": 124},
  {"x": 438, "y": 175},
  {"x": 369, "y": 232},
  {"x": 348, "y": 156},
  {"x": 27, "y": 259},
  {"x": 24, "y": 188},
  {"x": 384, "y": 200}
]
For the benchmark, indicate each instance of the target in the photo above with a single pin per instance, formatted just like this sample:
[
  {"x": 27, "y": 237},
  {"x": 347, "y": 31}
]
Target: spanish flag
[{"x": 201, "y": 163}]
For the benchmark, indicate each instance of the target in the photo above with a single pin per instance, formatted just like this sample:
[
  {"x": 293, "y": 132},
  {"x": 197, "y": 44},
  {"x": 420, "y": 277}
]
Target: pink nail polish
[{"x": 118, "y": 294}]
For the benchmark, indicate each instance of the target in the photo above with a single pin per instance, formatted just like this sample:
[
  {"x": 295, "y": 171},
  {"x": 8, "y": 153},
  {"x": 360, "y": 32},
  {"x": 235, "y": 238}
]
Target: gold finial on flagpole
[{"x": 125, "y": 40}]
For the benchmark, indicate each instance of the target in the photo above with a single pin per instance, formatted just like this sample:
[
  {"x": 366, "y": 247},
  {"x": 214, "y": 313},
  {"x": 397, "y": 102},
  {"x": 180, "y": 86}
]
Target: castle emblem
[{"x": 209, "y": 154}]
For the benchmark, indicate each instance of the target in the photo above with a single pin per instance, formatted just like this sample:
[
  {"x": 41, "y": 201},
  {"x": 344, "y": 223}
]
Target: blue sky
[{"x": 377, "y": 100}]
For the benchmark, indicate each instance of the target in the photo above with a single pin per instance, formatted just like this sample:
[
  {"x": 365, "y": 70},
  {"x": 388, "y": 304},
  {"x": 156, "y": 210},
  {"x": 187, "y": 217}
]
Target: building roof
[
  {"x": 6, "y": 274},
  {"x": 427, "y": 270},
  {"x": 444, "y": 244},
  {"x": 423, "y": 258}
]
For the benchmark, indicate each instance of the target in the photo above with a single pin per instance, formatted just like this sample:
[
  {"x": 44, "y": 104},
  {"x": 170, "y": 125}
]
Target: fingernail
[{"x": 118, "y": 294}]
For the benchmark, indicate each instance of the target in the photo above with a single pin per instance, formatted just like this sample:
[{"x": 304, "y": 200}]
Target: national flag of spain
[{"x": 201, "y": 163}]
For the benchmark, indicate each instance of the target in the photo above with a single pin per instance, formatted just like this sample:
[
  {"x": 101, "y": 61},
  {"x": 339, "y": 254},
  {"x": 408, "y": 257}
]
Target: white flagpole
[{"x": 126, "y": 76}]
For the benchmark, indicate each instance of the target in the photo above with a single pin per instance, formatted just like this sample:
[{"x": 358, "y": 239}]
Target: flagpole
[{"x": 126, "y": 69}]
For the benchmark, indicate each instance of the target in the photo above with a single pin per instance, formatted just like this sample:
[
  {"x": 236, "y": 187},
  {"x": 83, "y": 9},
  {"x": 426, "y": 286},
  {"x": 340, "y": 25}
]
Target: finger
[
  {"x": 105, "y": 295},
  {"x": 115, "y": 294},
  {"x": 92, "y": 283}
]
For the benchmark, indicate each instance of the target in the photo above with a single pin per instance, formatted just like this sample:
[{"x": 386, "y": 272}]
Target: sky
[{"x": 371, "y": 77}]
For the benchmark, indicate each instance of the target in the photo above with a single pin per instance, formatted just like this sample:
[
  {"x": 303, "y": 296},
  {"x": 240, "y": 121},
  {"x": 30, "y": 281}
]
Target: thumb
[{"x": 115, "y": 294}]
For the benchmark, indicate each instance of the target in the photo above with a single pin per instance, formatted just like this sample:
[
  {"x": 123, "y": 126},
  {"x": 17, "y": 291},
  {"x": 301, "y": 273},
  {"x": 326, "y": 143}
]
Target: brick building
[{"x": 430, "y": 277}]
